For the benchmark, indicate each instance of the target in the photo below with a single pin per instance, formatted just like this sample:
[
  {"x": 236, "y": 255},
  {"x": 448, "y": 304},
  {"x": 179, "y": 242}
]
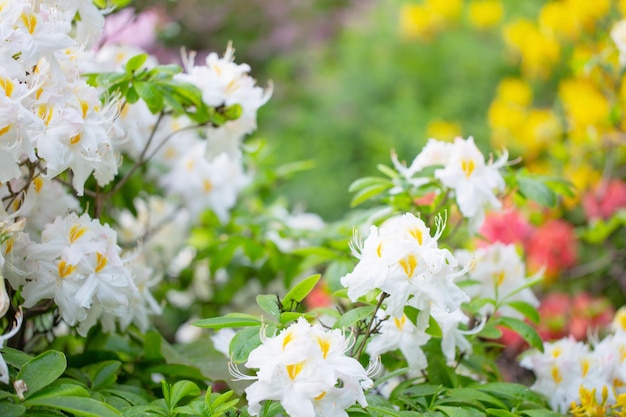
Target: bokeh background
[{"x": 354, "y": 79}]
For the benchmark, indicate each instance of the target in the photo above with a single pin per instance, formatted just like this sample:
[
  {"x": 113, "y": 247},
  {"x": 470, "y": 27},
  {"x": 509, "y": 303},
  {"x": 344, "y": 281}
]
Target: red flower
[
  {"x": 552, "y": 247},
  {"x": 507, "y": 226},
  {"x": 608, "y": 197}
]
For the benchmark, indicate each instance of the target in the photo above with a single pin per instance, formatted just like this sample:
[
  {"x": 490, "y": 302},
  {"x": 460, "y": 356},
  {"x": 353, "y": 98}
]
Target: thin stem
[{"x": 370, "y": 326}]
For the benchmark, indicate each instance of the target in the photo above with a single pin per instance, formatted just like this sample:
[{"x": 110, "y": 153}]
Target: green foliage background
[{"x": 348, "y": 88}]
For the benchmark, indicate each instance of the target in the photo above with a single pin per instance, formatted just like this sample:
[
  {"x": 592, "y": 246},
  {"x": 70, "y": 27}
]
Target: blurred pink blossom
[
  {"x": 605, "y": 199},
  {"x": 128, "y": 28},
  {"x": 506, "y": 226},
  {"x": 552, "y": 247}
]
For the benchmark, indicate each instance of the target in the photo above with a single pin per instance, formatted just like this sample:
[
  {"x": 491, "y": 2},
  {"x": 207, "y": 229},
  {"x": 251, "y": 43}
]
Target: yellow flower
[
  {"x": 587, "y": 13},
  {"x": 515, "y": 91},
  {"x": 538, "y": 51},
  {"x": 583, "y": 176},
  {"x": 621, "y": 6},
  {"x": 541, "y": 129},
  {"x": 585, "y": 106},
  {"x": 484, "y": 14},
  {"x": 556, "y": 18},
  {"x": 443, "y": 130},
  {"x": 447, "y": 10},
  {"x": 417, "y": 22}
]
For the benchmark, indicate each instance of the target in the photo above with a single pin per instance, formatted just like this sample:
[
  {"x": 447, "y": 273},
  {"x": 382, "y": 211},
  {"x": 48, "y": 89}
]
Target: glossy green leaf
[
  {"x": 150, "y": 94},
  {"x": 526, "y": 309},
  {"x": 180, "y": 390},
  {"x": 59, "y": 390},
  {"x": 526, "y": 331},
  {"x": 11, "y": 410},
  {"x": 537, "y": 191},
  {"x": 269, "y": 304},
  {"x": 300, "y": 291},
  {"x": 223, "y": 321},
  {"x": 244, "y": 342},
  {"x": 350, "y": 317},
  {"x": 78, "y": 406},
  {"x": 368, "y": 193},
  {"x": 42, "y": 370},
  {"x": 135, "y": 63}
]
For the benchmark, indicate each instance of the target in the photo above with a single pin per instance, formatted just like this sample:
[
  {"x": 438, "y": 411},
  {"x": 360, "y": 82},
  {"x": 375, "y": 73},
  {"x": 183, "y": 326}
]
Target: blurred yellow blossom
[
  {"x": 588, "y": 12},
  {"x": 541, "y": 129},
  {"x": 417, "y": 22},
  {"x": 515, "y": 91},
  {"x": 585, "y": 105},
  {"x": 556, "y": 18},
  {"x": 538, "y": 51},
  {"x": 443, "y": 130},
  {"x": 583, "y": 176},
  {"x": 621, "y": 6},
  {"x": 447, "y": 10},
  {"x": 484, "y": 14}
]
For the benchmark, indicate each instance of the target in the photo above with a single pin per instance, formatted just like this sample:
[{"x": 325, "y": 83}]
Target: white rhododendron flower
[
  {"x": 498, "y": 272},
  {"x": 305, "y": 368},
  {"x": 15, "y": 327},
  {"x": 203, "y": 184},
  {"x": 400, "y": 333},
  {"x": 402, "y": 259},
  {"x": 473, "y": 181},
  {"x": 78, "y": 265},
  {"x": 225, "y": 83}
]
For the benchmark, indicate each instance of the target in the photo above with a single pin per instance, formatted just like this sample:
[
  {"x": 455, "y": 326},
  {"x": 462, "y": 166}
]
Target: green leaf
[
  {"x": 150, "y": 94},
  {"x": 132, "y": 96},
  {"x": 453, "y": 411},
  {"x": 366, "y": 182},
  {"x": 102, "y": 374},
  {"x": 15, "y": 357},
  {"x": 526, "y": 309},
  {"x": 527, "y": 332},
  {"x": 269, "y": 304},
  {"x": 352, "y": 316},
  {"x": 497, "y": 412},
  {"x": 145, "y": 411},
  {"x": 472, "y": 394},
  {"x": 540, "y": 413},
  {"x": 222, "y": 322},
  {"x": 300, "y": 291},
  {"x": 244, "y": 342},
  {"x": 135, "y": 63},
  {"x": 233, "y": 112},
  {"x": 180, "y": 390},
  {"x": 78, "y": 406},
  {"x": 536, "y": 191},
  {"x": 511, "y": 390},
  {"x": 290, "y": 316},
  {"x": 60, "y": 390},
  {"x": 42, "y": 370},
  {"x": 433, "y": 328},
  {"x": 369, "y": 192},
  {"x": 11, "y": 410}
]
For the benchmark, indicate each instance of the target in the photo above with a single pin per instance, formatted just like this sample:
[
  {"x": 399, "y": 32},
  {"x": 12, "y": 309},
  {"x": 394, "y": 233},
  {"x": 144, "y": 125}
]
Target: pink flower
[
  {"x": 553, "y": 248},
  {"x": 506, "y": 226},
  {"x": 605, "y": 199},
  {"x": 130, "y": 29}
]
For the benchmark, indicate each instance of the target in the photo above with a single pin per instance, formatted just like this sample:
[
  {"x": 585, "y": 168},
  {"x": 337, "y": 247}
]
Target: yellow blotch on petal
[
  {"x": 468, "y": 167},
  {"x": 5, "y": 129},
  {"x": 288, "y": 338},
  {"x": 408, "y": 264},
  {"x": 400, "y": 322},
  {"x": 7, "y": 86},
  {"x": 65, "y": 269},
  {"x": 75, "y": 139},
  {"x": 207, "y": 186},
  {"x": 30, "y": 22},
  {"x": 499, "y": 278},
  {"x": 84, "y": 107},
  {"x": 418, "y": 235},
  {"x": 76, "y": 232},
  {"x": 9, "y": 246},
  {"x": 294, "y": 370},
  {"x": 556, "y": 374},
  {"x": 324, "y": 346},
  {"x": 38, "y": 182},
  {"x": 101, "y": 261},
  {"x": 319, "y": 397},
  {"x": 45, "y": 113}
]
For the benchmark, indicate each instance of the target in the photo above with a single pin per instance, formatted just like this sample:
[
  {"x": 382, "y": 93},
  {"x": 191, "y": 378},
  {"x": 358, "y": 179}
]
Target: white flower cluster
[
  {"x": 305, "y": 368},
  {"x": 498, "y": 273},
  {"x": 567, "y": 364},
  {"x": 48, "y": 112},
  {"x": 78, "y": 265},
  {"x": 403, "y": 260},
  {"x": 464, "y": 171}
]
